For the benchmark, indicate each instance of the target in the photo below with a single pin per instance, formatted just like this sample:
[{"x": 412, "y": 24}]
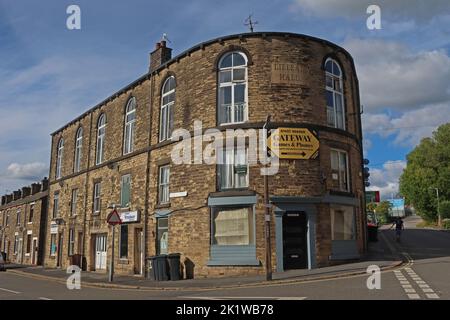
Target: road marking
[
  {"x": 413, "y": 296},
  {"x": 407, "y": 286},
  {"x": 44, "y": 298},
  {"x": 430, "y": 294},
  {"x": 10, "y": 291}
]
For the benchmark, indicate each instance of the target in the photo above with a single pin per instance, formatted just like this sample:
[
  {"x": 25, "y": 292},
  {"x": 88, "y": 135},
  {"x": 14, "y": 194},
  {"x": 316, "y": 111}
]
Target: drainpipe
[
  {"x": 86, "y": 184},
  {"x": 147, "y": 179}
]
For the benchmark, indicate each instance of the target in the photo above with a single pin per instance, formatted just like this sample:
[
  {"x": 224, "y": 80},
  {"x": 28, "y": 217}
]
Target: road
[{"x": 426, "y": 276}]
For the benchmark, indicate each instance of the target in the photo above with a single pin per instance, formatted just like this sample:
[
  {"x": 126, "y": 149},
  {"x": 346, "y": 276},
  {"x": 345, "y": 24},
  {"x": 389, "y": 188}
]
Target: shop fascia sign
[
  {"x": 294, "y": 143},
  {"x": 129, "y": 216}
]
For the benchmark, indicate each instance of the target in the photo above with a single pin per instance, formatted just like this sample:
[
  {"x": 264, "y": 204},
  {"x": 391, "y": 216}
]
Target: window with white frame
[
  {"x": 59, "y": 158},
  {"x": 55, "y": 212},
  {"x": 339, "y": 170},
  {"x": 73, "y": 202},
  {"x": 232, "y": 95},
  {"x": 233, "y": 226},
  {"x": 130, "y": 124},
  {"x": 97, "y": 197},
  {"x": 163, "y": 188},
  {"x": 167, "y": 106},
  {"x": 71, "y": 247},
  {"x": 233, "y": 168},
  {"x": 334, "y": 94},
  {"x": 342, "y": 223},
  {"x": 162, "y": 242},
  {"x": 101, "y": 129},
  {"x": 78, "y": 150}
]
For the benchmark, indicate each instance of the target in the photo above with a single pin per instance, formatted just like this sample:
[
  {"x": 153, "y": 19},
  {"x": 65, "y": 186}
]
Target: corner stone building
[{"x": 119, "y": 153}]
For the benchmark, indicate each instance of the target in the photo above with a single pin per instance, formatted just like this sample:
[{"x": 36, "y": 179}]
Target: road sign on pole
[{"x": 113, "y": 219}]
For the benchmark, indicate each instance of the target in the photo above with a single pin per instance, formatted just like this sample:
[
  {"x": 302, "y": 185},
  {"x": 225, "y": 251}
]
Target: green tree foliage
[
  {"x": 382, "y": 211},
  {"x": 444, "y": 209},
  {"x": 428, "y": 167}
]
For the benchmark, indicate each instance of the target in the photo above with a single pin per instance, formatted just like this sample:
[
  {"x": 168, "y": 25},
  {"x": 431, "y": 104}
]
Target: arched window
[
  {"x": 334, "y": 94},
  {"x": 101, "y": 128},
  {"x": 232, "y": 100},
  {"x": 59, "y": 158},
  {"x": 78, "y": 150},
  {"x": 167, "y": 102},
  {"x": 130, "y": 123}
]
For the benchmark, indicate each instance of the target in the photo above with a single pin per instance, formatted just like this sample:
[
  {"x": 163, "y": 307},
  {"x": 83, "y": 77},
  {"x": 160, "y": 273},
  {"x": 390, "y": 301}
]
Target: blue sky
[{"x": 50, "y": 74}]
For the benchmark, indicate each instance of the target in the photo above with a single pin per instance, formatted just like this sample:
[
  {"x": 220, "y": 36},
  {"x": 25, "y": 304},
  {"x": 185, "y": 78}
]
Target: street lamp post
[{"x": 266, "y": 210}]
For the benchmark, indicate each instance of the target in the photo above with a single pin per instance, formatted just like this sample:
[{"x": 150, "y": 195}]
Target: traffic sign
[
  {"x": 294, "y": 143},
  {"x": 114, "y": 218}
]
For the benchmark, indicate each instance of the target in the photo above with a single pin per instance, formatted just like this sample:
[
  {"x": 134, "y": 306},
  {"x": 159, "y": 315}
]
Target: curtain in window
[{"x": 233, "y": 227}]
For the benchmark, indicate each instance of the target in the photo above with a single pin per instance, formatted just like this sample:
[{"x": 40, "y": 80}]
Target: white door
[{"x": 100, "y": 252}]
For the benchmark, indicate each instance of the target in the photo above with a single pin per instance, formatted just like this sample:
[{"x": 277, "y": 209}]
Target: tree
[
  {"x": 444, "y": 209},
  {"x": 382, "y": 211},
  {"x": 428, "y": 167}
]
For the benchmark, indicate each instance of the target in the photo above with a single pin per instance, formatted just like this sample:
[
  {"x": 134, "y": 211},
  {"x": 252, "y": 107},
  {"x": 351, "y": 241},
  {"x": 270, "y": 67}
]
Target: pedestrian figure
[{"x": 398, "y": 223}]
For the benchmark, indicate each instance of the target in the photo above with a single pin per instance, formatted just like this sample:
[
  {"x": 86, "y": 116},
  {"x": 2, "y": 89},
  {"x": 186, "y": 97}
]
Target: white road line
[
  {"x": 407, "y": 286},
  {"x": 430, "y": 294},
  {"x": 44, "y": 298},
  {"x": 413, "y": 296},
  {"x": 10, "y": 291}
]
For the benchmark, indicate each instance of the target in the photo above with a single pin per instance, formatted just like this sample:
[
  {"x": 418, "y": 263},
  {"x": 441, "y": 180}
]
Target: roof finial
[{"x": 249, "y": 23}]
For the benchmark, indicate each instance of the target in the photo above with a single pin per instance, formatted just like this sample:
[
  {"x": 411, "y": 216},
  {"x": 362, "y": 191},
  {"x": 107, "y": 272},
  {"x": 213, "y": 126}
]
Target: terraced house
[
  {"x": 120, "y": 153},
  {"x": 23, "y": 217}
]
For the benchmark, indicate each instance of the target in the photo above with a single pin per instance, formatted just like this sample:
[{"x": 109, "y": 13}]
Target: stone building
[
  {"x": 121, "y": 152},
  {"x": 23, "y": 217}
]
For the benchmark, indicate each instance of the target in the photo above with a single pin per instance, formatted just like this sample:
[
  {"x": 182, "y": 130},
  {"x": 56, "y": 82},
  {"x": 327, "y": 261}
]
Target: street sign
[
  {"x": 113, "y": 218},
  {"x": 294, "y": 143}
]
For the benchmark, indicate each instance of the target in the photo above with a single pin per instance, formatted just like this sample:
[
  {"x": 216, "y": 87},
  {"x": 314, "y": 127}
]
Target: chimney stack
[
  {"x": 3, "y": 200},
  {"x": 35, "y": 188},
  {"x": 26, "y": 191},
  {"x": 9, "y": 198},
  {"x": 160, "y": 55},
  {"x": 17, "y": 195},
  {"x": 44, "y": 184}
]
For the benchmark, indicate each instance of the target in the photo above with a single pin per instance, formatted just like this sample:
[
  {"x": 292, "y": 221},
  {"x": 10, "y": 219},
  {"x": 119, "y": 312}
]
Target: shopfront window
[
  {"x": 342, "y": 223},
  {"x": 233, "y": 227}
]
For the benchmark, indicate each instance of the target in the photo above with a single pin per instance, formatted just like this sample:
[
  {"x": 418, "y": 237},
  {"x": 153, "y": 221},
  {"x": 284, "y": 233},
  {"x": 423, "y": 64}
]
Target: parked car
[{"x": 2, "y": 262}]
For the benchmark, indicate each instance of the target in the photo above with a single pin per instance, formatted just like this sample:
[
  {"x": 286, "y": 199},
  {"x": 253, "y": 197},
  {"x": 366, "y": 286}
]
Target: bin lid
[{"x": 173, "y": 255}]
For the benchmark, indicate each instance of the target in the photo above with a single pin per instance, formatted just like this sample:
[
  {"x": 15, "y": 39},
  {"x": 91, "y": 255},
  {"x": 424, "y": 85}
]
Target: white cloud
[
  {"x": 28, "y": 171},
  {"x": 386, "y": 179},
  {"x": 391, "y": 76},
  {"x": 418, "y": 10},
  {"x": 409, "y": 128}
]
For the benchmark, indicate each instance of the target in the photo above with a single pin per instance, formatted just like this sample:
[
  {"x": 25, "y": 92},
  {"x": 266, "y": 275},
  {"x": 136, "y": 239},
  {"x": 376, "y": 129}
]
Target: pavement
[{"x": 379, "y": 254}]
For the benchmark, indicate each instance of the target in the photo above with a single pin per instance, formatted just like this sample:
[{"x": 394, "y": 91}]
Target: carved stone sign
[{"x": 286, "y": 73}]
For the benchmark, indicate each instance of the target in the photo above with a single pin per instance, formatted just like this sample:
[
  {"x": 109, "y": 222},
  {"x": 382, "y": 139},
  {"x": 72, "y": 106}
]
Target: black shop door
[{"x": 295, "y": 254}]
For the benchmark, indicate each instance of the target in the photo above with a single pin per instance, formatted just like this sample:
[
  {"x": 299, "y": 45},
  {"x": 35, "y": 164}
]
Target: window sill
[
  {"x": 30, "y": 223},
  {"x": 27, "y": 254},
  {"x": 162, "y": 205},
  {"x": 123, "y": 261}
]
